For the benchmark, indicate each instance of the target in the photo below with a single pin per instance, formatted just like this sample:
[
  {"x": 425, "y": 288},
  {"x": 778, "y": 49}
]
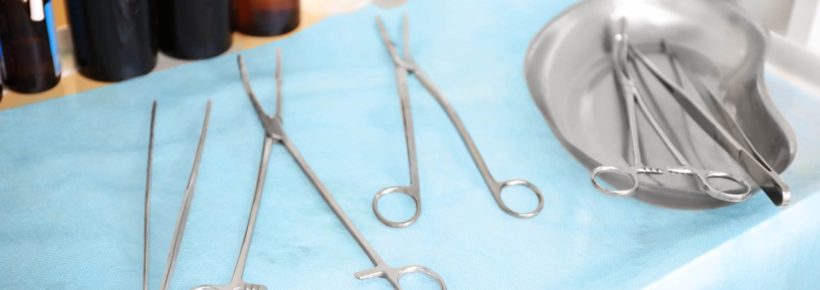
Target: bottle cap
[{"x": 36, "y": 8}]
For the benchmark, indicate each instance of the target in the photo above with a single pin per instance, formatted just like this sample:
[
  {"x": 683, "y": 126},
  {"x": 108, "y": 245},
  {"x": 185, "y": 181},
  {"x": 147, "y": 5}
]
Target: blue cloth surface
[{"x": 72, "y": 176}]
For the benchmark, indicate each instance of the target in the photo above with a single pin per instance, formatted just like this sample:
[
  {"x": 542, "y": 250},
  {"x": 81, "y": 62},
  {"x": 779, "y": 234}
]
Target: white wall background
[{"x": 797, "y": 20}]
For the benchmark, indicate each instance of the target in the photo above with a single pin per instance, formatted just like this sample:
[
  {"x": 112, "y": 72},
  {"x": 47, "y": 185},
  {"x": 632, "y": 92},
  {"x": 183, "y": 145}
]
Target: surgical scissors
[
  {"x": 625, "y": 73},
  {"x": 275, "y": 133},
  {"x": 404, "y": 67}
]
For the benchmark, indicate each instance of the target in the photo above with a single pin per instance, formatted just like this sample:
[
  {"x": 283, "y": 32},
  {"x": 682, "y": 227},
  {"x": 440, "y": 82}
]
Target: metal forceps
[
  {"x": 275, "y": 133},
  {"x": 404, "y": 67},
  {"x": 625, "y": 76},
  {"x": 146, "y": 222},
  {"x": 768, "y": 180},
  {"x": 628, "y": 91},
  {"x": 182, "y": 219},
  {"x": 730, "y": 124}
]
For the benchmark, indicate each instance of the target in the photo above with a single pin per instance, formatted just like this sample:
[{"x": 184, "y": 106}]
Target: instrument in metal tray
[
  {"x": 569, "y": 74},
  {"x": 627, "y": 79},
  {"x": 759, "y": 170}
]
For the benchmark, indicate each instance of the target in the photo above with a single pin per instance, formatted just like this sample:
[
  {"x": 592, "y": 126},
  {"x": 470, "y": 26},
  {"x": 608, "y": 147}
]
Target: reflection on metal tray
[{"x": 569, "y": 74}]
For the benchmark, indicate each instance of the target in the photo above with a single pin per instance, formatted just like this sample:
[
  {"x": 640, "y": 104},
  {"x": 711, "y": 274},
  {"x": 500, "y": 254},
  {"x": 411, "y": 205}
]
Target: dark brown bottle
[
  {"x": 194, "y": 29},
  {"x": 114, "y": 40},
  {"x": 266, "y": 17},
  {"x": 29, "y": 58}
]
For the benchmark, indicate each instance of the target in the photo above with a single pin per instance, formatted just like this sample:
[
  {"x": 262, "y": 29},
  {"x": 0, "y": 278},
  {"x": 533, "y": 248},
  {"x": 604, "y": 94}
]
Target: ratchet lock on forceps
[
  {"x": 748, "y": 158},
  {"x": 626, "y": 79}
]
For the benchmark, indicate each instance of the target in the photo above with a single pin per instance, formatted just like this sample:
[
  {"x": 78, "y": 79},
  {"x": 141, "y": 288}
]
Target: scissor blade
[{"x": 768, "y": 180}]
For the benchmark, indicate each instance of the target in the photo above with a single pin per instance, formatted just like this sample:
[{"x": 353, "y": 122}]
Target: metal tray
[{"x": 568, "y": 72}]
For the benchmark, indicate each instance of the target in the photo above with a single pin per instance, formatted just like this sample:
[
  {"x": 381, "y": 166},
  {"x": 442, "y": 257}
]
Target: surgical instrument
[
  {"x": 737, "y": 194},
  {"x": 768, "y": 180},
  {"x": 187, "y": 197},
  {"x": 729, "y": 122},
  {"x": 628, "y": 90},
  {"x": 239, "y": 269},
  {"x": 405, "y": 66},
  {"x": 275, "y": 133},
  {"x": 620, "y": 48},
  {"x": 412, "y": 190},
  {"x": 147, "y": 206}
]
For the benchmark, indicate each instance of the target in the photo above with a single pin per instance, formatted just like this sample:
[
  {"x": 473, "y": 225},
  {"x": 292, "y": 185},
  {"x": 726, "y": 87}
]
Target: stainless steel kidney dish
[{"x": 570, "y": 76}]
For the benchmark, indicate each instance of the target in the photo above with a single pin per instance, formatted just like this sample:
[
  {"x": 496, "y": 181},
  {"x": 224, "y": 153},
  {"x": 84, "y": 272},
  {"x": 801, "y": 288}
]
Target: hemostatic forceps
[
  {"x": 727, "y": 137},
  {"x": 404, "y": 67},
  {"x": 624, "y": 75},
  {"x": 274, "y": 133}
]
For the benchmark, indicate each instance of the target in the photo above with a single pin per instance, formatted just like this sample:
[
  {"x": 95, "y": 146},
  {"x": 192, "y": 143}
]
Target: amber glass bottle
[
  {"x": 194, "y": 29},
  {"x": 266, "y": 17},
  {"x": 29, "y": 57},
  {"x": 114, "y": 40}
]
